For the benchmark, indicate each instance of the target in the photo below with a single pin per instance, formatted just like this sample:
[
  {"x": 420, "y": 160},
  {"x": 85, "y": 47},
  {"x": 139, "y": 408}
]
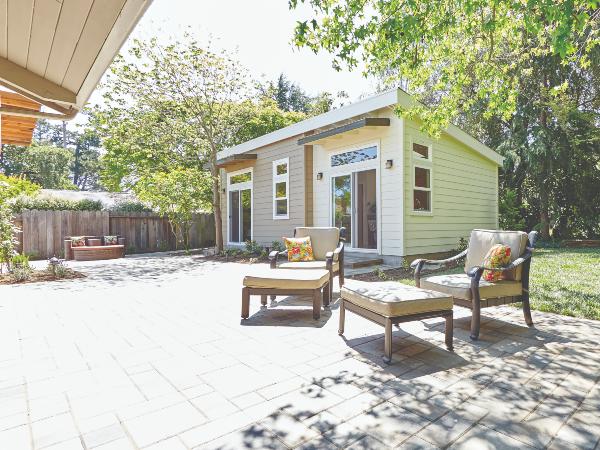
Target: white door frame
[
  {"x": 350, "y": 169},
  {"x": 240, "y": 187}
]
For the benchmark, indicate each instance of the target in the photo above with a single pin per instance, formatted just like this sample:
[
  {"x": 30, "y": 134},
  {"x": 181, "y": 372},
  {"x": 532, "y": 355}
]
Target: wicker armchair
[
  {"x": 328, "y": 250},
  {"x": 468, "y": 289}
]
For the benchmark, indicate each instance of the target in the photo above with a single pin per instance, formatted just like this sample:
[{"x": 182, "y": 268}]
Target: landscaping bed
[{"x": 38, "y": 276}]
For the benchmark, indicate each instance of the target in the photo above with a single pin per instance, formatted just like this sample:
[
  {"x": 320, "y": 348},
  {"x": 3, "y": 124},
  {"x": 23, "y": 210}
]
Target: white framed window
[
  {"x": 281, "y": 189},
  {"x": 422, "y": 171}
]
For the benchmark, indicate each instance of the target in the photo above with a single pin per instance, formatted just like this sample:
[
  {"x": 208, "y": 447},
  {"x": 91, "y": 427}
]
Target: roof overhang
[
  {"x": 362, "y": 123},
  {"x": 16, "y": 129},
  {"x": 236, "y": 159},
  {"x": 55, "y": 52},
  {"x": 387, "y": 99}
]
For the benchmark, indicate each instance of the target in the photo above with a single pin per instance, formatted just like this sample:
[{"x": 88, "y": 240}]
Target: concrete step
[{"x": 355, "y": 261}]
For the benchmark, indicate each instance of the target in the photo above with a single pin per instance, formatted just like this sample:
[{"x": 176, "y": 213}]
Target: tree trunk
[
  {"x": 217, "y": 213},
  {"x": 544, "y": 214}
]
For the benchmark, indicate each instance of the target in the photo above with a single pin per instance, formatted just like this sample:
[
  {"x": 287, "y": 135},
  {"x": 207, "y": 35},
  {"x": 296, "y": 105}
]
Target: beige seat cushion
[
  {"x": 392, "y": 299},
  {"x": 287, "y": 279},
  {"x": 323, "y": 239},
  {"x": 482, "y": 240},
  {"x": 459, "y": 285},
  {"x": 307, "y": 265}
]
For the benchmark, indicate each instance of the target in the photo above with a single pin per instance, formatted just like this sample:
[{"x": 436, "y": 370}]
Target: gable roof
[{"x": 370, "y": 104}]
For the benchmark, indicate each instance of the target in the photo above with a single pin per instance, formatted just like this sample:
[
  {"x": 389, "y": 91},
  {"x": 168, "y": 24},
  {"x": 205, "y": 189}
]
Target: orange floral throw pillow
[
  {"x": 498, "y": 256},
  {"x": 299, "y": 249},
  {"x": 77, "y": 241}
]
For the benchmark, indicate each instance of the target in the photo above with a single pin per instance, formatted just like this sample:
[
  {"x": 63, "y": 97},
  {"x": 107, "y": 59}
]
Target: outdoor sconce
[
  {"x": 320, "y": 176},
  {"x": 389, "y": 163}
]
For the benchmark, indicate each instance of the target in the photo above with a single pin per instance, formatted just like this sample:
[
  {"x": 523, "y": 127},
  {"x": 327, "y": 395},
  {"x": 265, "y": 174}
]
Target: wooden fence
[{"x": 43, "y": 232}]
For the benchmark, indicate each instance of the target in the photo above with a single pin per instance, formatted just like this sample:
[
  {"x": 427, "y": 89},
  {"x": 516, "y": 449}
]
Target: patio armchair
[
  {"x": 328, "y": 251},
  {"x": 468, "y": 289}
]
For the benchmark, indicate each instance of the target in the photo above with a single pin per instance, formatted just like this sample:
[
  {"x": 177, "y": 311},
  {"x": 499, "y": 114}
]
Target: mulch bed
[{"x": 41, "y": 275}]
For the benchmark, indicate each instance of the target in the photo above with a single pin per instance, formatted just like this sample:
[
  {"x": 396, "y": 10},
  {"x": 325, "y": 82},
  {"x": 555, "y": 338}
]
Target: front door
[{"x": 354, "y": 206}]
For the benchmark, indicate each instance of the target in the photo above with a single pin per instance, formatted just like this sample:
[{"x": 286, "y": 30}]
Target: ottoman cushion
[
  {"x": 287, "y": 279},
  {"x": 392, "y": 299}
]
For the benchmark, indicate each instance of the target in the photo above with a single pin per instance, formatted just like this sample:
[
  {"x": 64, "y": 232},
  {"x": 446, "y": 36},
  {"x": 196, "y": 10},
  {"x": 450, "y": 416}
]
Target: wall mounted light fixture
[
  {"x": 319, "y": 176},
  {"x": 389, "y": 163}
]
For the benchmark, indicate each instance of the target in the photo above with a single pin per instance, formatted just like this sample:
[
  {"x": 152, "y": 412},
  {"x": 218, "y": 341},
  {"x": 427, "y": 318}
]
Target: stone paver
[{"x": 150, "y": 353}]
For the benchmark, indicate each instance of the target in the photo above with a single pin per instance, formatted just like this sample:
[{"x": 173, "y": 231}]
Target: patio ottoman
[
  {"x": 389, "y": 303},
  {"x": 313, "y": 282}
]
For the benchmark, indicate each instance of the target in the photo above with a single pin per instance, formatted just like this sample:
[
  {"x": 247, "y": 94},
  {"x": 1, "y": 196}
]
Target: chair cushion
[
  {"x": 299, "y": 249},
  {"x": 392, "y": 299},
  {"x": 323, "y": 239},
  {"x": 307, "y": 265},
  {"x": 459, "y": 286},
  {"x": 287, "y": 279},
  {"x": 498, "y": 256},
  {"x": 482, "y": 240}
]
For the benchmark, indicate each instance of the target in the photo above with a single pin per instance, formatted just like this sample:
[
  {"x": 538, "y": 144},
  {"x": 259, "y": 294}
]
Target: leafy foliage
[
  {"x": 45, "y": 165},
  {"x": 23, "y": 203},
  {"x": 178, "y": 194},
  {"x": 13, "y": 186},
  {"x": 130, "y": 206},
  {"x": 511, "y": 217}
]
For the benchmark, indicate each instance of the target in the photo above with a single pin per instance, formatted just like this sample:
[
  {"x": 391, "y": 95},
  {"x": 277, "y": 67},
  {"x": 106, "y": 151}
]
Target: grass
[{"x": 563, "y": 280}]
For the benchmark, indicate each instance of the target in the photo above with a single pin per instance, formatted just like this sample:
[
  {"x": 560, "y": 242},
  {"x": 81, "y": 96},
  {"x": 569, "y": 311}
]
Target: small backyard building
[{"x": 398, "y": 192}]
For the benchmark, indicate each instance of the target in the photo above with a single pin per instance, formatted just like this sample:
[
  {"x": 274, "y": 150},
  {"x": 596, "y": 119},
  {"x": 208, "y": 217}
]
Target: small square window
[
  {"x": 422, "y": 178},
  {"x": 281, "y": 189},
  {"x": 422, "y": 200},
  {"x": 281, "y": 207},
  {"x": 281, "y": 169},
  {"x": 420, "y": 151}
]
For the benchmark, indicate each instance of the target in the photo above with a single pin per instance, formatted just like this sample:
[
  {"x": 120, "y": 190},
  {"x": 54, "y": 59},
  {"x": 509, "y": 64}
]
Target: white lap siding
[
  {"x": 264, "y": 229},
  {"x": 390, "y": 180}
]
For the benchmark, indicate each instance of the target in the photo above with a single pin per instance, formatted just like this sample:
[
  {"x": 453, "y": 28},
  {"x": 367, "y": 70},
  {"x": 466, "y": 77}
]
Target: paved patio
[{"x": 150, "y": 352}]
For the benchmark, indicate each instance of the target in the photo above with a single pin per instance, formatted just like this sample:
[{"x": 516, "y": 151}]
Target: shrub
[
  {"x": 277, "y": 245},
  {"x": 511, "y": 217},
  {"x": 23, "y": 203},
  {"x": 58, "y": 270},
  {"x": 8, "y": 239},
  {"x": 130, "y": 206},
  {"x": 253, "y": 248},
  {"x": 462, "y": 244},
  {"x": 20, "y": 261},
  {"x": 21, "y": 273}
]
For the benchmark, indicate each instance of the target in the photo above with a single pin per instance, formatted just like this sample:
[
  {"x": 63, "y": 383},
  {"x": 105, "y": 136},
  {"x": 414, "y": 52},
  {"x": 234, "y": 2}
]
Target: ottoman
[
  {"x": 389, "y": 303},
  {"x": 313, "y": 282}
]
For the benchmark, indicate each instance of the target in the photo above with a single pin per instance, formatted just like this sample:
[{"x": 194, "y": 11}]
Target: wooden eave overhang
[
  {"x": 236, "y": 159},
  {"x": 17, "y": 130},
  {"x": 362, "y": 123}
]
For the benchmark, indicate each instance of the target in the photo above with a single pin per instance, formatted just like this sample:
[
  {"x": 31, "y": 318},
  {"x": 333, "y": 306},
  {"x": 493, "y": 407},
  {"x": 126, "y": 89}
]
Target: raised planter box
[{"x": 581, "y": 243}]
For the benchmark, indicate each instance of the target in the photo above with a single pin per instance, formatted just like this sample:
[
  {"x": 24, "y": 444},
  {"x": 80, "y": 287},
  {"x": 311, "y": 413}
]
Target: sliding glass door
[{"x": 239, "y": 205}]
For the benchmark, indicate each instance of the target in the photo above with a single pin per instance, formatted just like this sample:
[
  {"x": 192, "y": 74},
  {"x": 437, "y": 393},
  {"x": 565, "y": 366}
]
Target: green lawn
[{"x": 563, "y": 281}]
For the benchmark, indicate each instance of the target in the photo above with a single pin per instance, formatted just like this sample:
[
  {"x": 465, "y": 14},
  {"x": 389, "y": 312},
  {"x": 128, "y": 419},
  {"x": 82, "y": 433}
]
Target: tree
[
  {"x": 292, "y": 98},
  {"x": 10, "y": 187},
  {"x": 178, "y": 194},
  {"x": 45, "y": 165},
  {"x": 209, "y": 90},
  {"x": 447, "y": 48},
  {"x": 507, "y": 64}
]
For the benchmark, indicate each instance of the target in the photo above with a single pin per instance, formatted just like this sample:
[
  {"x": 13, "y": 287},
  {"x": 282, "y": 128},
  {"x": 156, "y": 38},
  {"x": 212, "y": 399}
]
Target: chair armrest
[
  {"x": 513, "y": 265},
  {"x": 434, "y": 264},
  {"x": 273, "y": 257}
]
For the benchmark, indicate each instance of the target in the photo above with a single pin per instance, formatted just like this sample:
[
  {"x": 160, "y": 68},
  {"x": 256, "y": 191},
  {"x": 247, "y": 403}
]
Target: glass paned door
[
  {"x": 354, "y": 206},
  {"x": 342, "y": 203},
  {"x": 240, "y": 215}
]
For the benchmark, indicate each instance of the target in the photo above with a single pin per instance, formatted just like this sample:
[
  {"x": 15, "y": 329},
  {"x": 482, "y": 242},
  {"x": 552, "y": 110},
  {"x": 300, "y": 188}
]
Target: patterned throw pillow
[
  {"x": 77, "y": 241},
  {"x": 497, "y": 256},
  {"x": 111, "y": 240},
  {"x": 299, "y": 249}
]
